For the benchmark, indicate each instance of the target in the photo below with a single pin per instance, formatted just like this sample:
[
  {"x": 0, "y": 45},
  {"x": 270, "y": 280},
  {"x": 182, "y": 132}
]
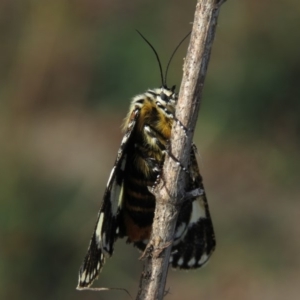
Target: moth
[{"x": 128, "y": 206}]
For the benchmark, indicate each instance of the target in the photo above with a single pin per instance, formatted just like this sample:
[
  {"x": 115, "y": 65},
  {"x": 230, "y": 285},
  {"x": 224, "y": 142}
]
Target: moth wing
[
  {"x": 195, "y": 239},
  {"x": 107, "y": 225}
]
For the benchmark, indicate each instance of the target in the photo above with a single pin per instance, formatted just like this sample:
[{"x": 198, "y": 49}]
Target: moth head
[{"x": 167, "y": 95}]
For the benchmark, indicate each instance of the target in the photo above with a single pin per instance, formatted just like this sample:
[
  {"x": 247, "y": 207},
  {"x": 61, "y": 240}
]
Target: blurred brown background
[{"x": 68, "y": 70}]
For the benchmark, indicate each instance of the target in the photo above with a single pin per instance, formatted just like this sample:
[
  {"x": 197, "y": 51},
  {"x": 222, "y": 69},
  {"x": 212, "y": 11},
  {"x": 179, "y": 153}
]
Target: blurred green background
[{"x": 68, "y": 70}]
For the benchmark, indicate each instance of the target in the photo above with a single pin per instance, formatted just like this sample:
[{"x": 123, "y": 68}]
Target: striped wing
[
  {"x": 194, "y": 240},
  {"x": 107, "y": 225}
]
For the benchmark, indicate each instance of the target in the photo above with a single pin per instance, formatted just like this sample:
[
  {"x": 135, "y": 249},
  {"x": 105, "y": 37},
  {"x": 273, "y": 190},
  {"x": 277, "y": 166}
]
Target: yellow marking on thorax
[
  {"x": 151, "y": 115},
  {"x": 145, "y": 114},
  {"x": 164, "y": 125}
]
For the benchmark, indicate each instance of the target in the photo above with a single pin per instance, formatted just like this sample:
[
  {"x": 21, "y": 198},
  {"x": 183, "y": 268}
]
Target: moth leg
[{"x": 170, "y": 154}]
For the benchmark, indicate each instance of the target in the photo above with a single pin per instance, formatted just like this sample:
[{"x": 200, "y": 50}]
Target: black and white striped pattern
[{"x": 107, "y": 225}]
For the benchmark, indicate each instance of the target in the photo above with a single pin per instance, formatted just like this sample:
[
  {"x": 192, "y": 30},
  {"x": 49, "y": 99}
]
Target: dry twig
[{"x": 168, "y": 195}]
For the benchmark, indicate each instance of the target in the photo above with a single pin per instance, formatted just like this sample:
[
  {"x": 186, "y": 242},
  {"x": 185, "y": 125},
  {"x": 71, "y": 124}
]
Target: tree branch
[{"x": 171, "y": 189}]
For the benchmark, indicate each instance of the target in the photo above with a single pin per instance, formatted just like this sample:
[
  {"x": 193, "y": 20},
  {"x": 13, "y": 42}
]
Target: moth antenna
[
  {"x": 157, "y": 57},
  {"x": 173, "y": 56}
]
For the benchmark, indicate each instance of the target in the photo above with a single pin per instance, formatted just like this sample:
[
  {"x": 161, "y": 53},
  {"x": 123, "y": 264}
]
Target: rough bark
[{"x": 171, "y": 189}]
